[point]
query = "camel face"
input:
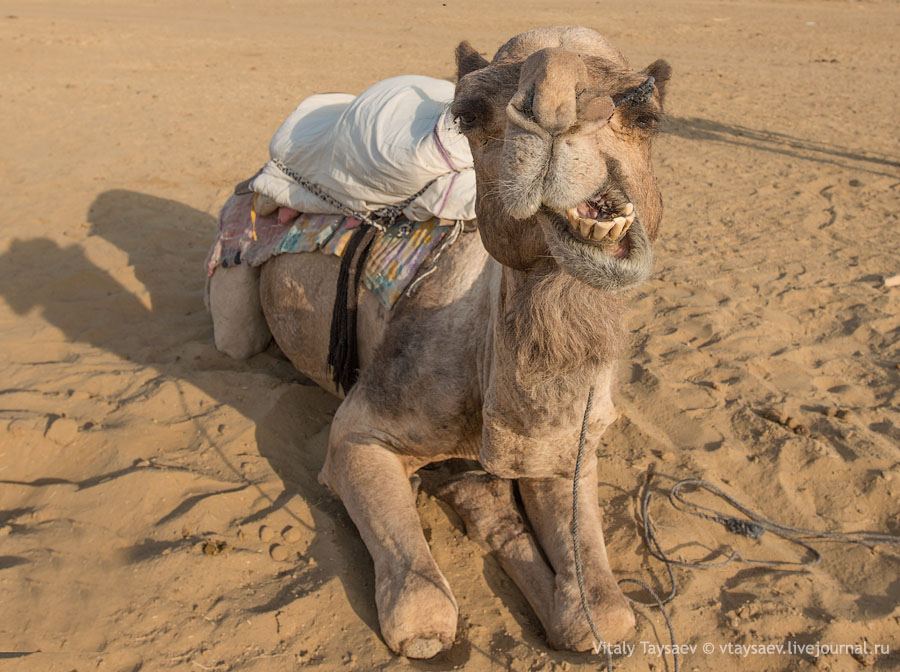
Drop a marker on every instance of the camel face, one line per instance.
(562, 153)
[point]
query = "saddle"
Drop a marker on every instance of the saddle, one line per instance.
(382, 180)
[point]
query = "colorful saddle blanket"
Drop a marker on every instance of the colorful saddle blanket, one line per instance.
(395, 258)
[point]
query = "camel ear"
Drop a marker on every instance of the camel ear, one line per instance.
(661, 71)
(468, 60)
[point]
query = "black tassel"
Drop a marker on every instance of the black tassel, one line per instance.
(343, 355)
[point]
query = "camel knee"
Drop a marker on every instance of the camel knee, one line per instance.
(239, 326)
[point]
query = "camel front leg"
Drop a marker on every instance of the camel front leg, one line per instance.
(488, 508)
(548, 504)
(416, 610)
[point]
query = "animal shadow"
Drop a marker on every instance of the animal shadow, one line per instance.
(166, 243)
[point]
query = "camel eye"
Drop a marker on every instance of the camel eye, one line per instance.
(641, 118)
(645, 121)
(467, 121)
(471, 114)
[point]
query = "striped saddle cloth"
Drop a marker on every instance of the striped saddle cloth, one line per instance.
(245, 237)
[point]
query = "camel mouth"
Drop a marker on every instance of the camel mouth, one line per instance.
(603, 221)
(601, 241)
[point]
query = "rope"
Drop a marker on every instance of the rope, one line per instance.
(579, 572)
(343, 355)
(752, 527)
(389, 213)
(579, 575)
(659, 603)
(639, 94)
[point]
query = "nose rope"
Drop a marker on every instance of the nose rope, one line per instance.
(579, 575)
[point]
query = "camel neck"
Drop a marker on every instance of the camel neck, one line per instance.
(547, 350)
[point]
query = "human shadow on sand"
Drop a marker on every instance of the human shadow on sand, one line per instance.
(695, 128)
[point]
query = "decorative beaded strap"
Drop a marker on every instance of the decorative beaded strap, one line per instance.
(380, 219)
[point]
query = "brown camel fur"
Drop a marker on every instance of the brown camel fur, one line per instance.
(493, 357)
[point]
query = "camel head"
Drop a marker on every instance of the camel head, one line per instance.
(560, 129)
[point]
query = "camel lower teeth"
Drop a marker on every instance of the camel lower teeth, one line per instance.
(617, 228)
(591, 229)
(601, 229)
(585, 228)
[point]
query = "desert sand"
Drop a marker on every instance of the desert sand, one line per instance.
(145, 478)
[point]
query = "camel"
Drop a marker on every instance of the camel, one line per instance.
(493, 357)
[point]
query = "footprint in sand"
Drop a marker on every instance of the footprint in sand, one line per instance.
(278, 551)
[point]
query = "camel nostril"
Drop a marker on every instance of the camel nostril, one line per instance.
(593, 106)
(528, 104)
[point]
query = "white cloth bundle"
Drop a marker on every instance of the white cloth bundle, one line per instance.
(373, 150)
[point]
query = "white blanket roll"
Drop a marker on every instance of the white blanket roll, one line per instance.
(373, 150)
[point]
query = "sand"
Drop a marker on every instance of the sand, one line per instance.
(146, 481)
